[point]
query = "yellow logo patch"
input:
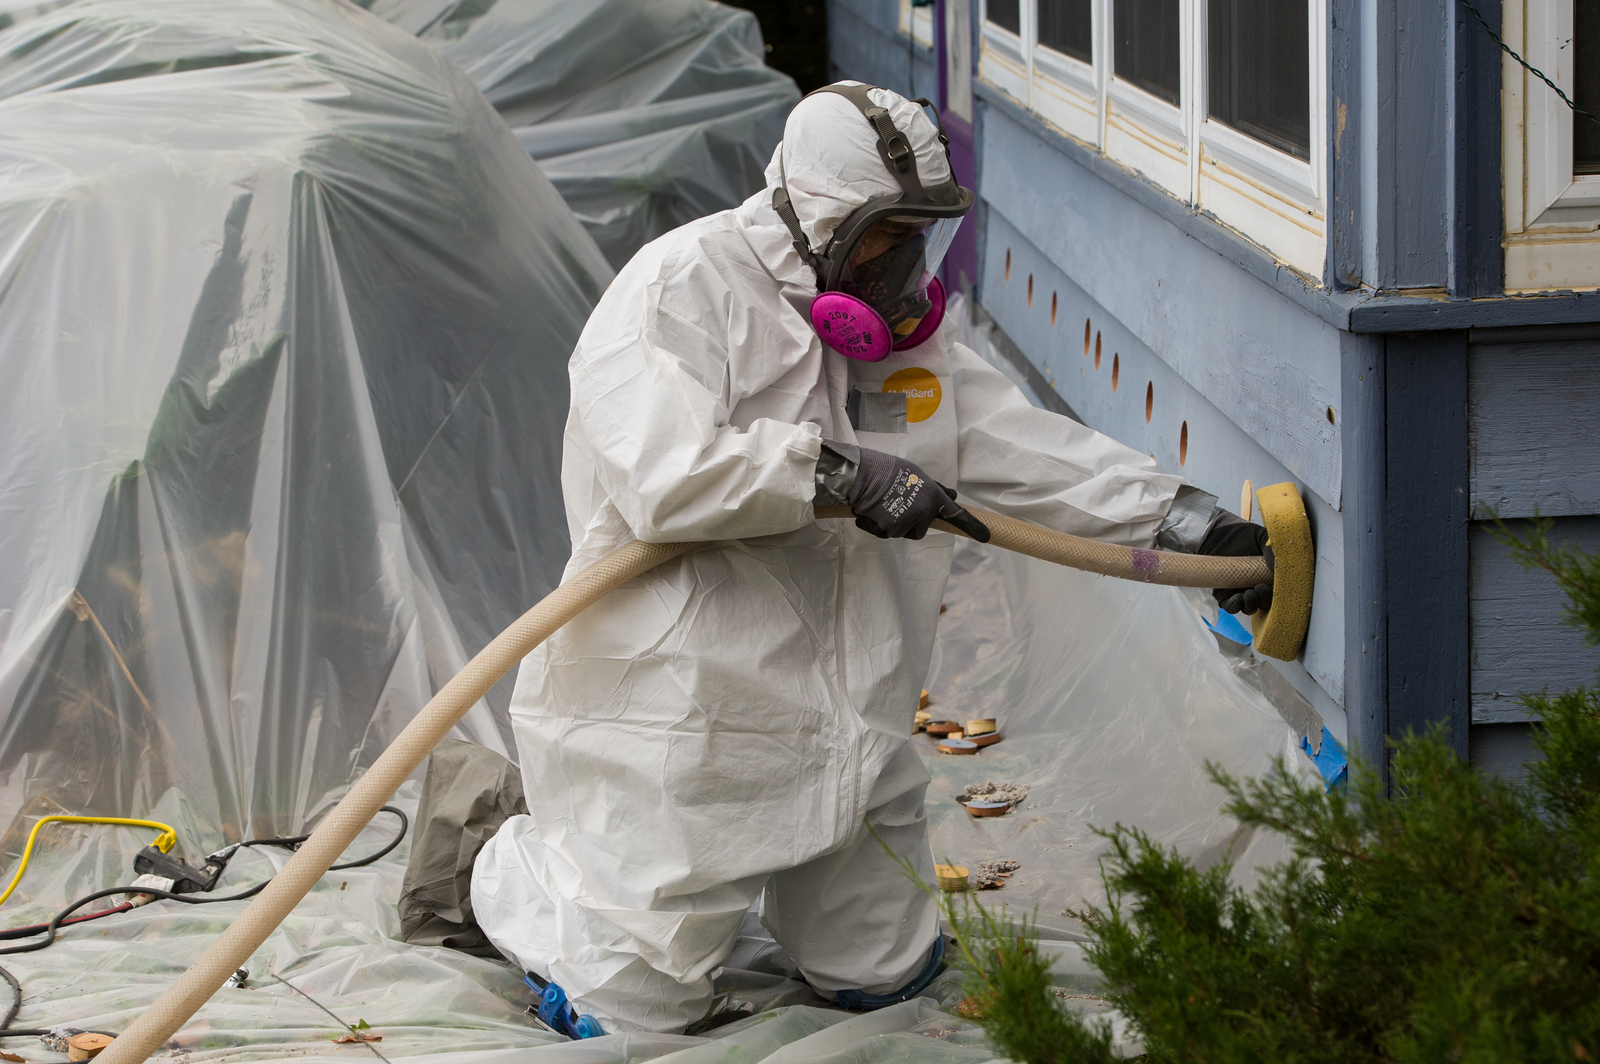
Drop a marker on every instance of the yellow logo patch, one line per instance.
(921, 389)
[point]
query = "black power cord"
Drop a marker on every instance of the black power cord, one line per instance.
(1529, 67)
(16, 1007)
(50, 929)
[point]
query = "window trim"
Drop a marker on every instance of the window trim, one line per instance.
(1551, 214)
(999, 47)
(1267, 195)
(1067, 69)
(1295, 177)
(1066, 93)
(918, 21)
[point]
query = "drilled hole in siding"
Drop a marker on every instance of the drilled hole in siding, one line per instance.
(1030, 289)
(1008, 264)
(1052, 310)
(1116, 370)
(1085, 337)
(1183, 444)
(1330, 415)
(1096, 350)
(1149, 401)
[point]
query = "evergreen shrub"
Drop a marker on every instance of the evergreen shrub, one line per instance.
(1453, 916)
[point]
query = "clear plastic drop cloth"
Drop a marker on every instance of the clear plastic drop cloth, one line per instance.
(285, 309)
(285, 312)
(1110, 698)
(645, 114)
(340, 953)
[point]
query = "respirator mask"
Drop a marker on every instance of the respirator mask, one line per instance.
(877, 289)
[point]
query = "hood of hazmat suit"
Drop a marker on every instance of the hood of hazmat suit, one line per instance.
(719, 730)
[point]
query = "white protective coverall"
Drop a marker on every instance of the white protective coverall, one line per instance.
(722, 726)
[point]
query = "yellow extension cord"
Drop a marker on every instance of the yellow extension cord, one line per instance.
(163, 842)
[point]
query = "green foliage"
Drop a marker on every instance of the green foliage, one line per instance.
(1009, 986)
(1576, 571)
(1455, 918)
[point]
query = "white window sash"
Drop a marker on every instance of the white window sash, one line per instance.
(1551, 214)
(1269, 195)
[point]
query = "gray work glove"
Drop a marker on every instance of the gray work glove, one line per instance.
(1234, 537)
(894, 499)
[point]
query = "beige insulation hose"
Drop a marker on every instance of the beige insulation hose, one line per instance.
(340, 827)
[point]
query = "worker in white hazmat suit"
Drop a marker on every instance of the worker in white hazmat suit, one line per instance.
(723, 729)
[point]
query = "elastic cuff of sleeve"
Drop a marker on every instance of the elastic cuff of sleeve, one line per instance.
(1187, 521)
(836, 473)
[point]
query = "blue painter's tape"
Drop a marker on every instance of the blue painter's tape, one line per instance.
(1229, 627)
(1330, 761)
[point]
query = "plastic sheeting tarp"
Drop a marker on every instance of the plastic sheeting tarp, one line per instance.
(1111, 696)
(284, 315)
(645, 114)
(340, 947)
(284, 319)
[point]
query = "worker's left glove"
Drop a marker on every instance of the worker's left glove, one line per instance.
(892, 498)
(1234, 537)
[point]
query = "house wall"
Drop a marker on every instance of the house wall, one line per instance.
(1220, 455)
(865, 44)
(1402, 396)
(1534, 450)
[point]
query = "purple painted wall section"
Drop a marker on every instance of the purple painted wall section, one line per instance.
(960, 270)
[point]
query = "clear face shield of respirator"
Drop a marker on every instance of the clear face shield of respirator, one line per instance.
(892, 264)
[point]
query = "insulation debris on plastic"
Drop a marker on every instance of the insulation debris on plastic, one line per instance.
(285, 308)
(645, 114)
(1113, 697)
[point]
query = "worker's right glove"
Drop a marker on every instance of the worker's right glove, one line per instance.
(894, 499)
(1232, 536)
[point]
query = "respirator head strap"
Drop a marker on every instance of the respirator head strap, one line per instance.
(894, 147)
(791, 221)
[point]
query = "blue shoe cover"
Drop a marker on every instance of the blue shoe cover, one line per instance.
(861, 1001)
(555, 1012)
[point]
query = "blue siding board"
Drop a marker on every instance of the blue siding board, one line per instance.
(1531, 420)
(1273, 369)
(1503, 749)
(1521, 642)
(1220, 456)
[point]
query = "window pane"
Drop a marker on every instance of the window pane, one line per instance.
(1064, 25)
(1586, 67)
(1006, 14)
(1146, 53)
(1259, 71)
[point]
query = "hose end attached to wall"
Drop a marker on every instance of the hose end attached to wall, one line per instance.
(1280, 630)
